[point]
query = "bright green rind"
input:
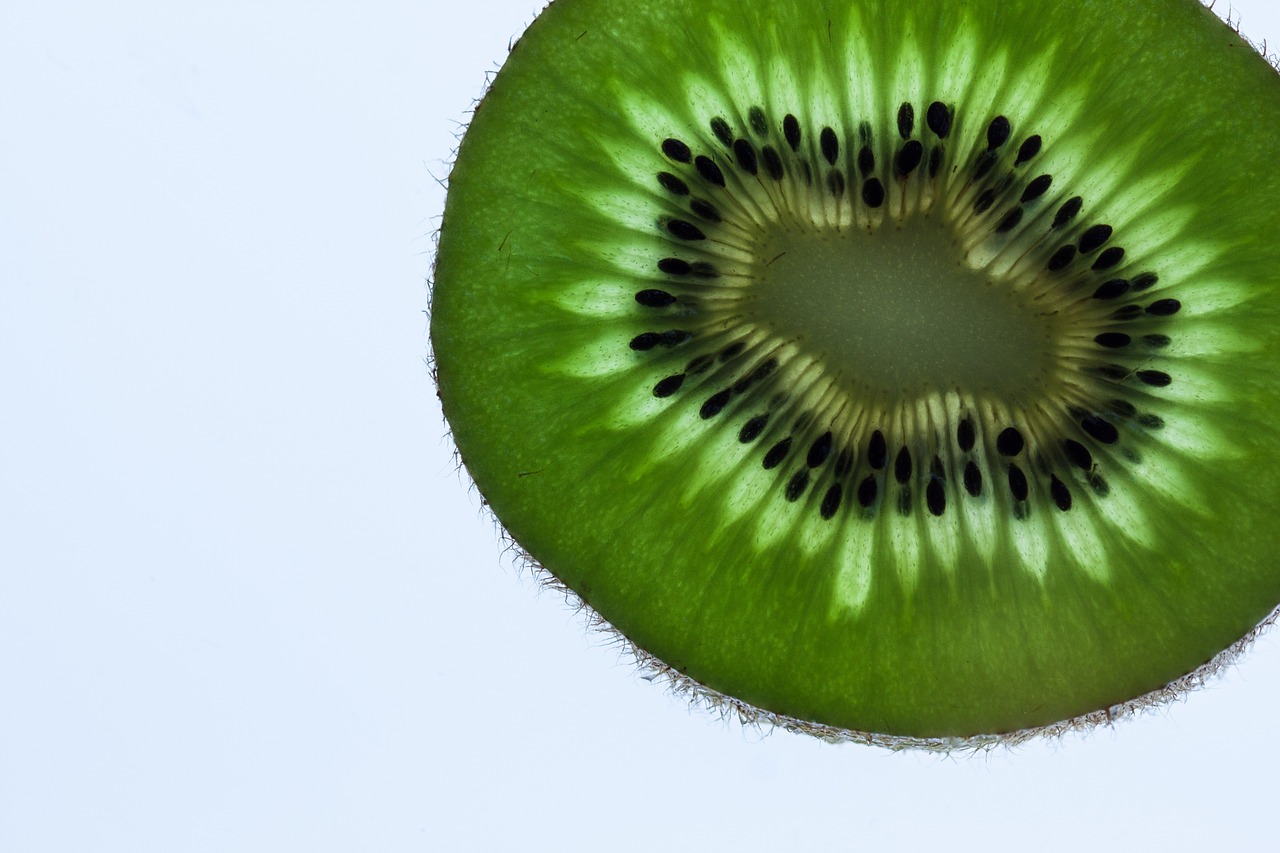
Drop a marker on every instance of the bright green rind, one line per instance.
(965, 648)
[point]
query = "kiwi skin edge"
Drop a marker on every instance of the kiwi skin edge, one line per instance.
(538, 348)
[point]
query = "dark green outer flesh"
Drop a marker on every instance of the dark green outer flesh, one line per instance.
(974, 647)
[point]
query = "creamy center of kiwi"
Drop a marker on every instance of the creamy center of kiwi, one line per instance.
(900, 310)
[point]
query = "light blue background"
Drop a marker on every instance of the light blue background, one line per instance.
(246, 601)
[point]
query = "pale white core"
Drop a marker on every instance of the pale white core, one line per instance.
(900, 310)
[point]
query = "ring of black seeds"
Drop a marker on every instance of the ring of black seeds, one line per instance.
(851, 475)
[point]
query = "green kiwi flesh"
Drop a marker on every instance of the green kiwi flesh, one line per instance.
(901, 367)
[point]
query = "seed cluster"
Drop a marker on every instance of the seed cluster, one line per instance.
(912, 460)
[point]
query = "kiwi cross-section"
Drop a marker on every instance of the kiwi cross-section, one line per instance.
(896, 367)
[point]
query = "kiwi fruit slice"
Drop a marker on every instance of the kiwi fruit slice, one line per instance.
(905, 368)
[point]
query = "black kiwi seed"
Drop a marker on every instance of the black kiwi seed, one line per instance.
(1109, 257)
(765, 369)
(709, 171)
(866, 160)
(1100, 429)
(732, 351)
(1036, 188)
(1062, 258)
(1099, 485)
(1145, 280)
(1112, 340)
(1010, 221)
(751, 429)
(685, 230)
(1113, 289)
(986, 162)
(746, 156)
(668, 386)
(1017, 483)
(1010, 442)
(674, 337)
(773, 458)
(1060, 493)
(873, 192)
(675, 266)
(720, 128)
(935, 497)
(938, 117)
(908, 158)
(677, 150)
(877, 450)
(1030, 148)
(673, 184)
(646, 341)
(1068, 211)
(1155, 378)
(830, 145)
(1078, 454)
(902, 466)
(1164, 307)
(972, 479)
(715, 404)
(906, 120)
(796, 485)
(791, 131)
(867, 490)
(965, 435)
(655, 298)
(819, 450)
(772, 162)
(1093, 238)
(831, 501)
(998, 132)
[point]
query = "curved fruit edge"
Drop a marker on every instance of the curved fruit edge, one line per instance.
(1235, 21)
(748, 716)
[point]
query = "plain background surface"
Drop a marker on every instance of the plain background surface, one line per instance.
(246, 603)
